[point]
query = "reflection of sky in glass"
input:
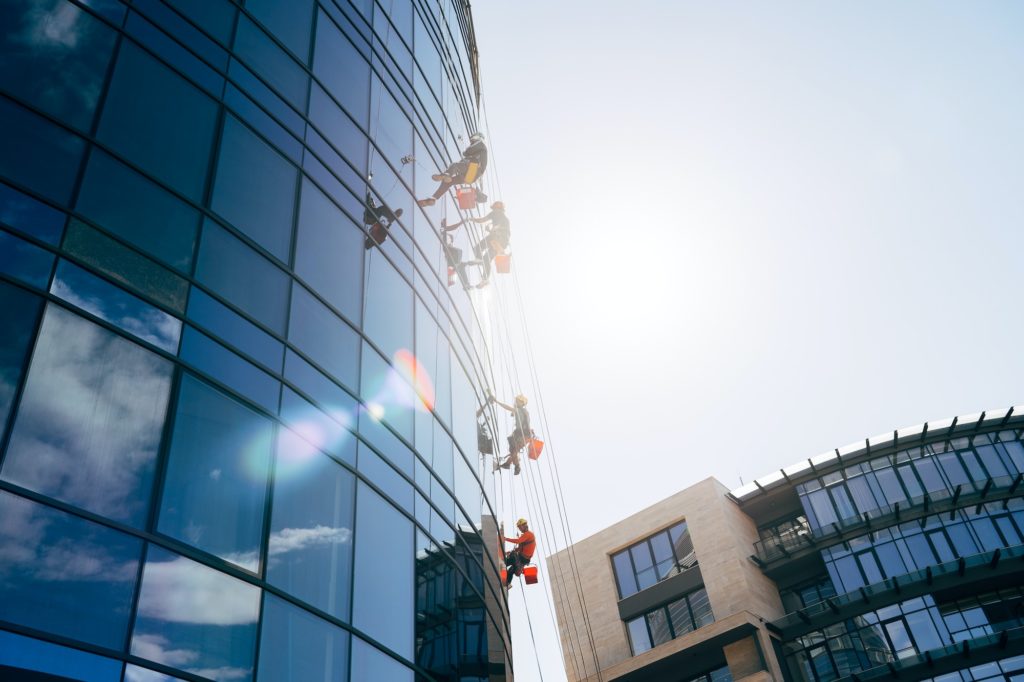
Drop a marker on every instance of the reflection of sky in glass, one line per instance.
(30, 216)
(21, 312)
(133, 673)
(31, 654)
(89, 424)
(298, 646)
(196, 619)
(106, 301)
(25, 261)
(61, 574)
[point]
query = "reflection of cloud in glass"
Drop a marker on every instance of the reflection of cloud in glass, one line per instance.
(134, 673)
(154, 647)
(89, 424)
(183, 591)
(296, 539)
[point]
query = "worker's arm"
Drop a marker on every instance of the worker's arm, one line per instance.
(449, 228)
(501, 404)
(517, 541)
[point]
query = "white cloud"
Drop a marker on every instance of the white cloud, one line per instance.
(154, 647)
(223, 673)
(292, 539)
(183, 591)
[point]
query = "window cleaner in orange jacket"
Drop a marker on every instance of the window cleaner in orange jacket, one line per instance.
(519, 557)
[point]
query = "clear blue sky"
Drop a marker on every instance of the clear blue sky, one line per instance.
(748, 233)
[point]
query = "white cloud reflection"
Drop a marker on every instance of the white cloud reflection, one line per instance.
(295, 539)
(183, 591)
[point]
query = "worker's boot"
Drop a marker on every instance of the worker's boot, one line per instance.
(516, 470)
(429, 201)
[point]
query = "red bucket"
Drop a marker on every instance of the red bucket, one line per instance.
(530, 575)
(534, 448)
(466, 198)
(503, 263)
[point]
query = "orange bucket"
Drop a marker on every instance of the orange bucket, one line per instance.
(503, 263)
(530, 575)
(504, 575)
(534, 448)
(466, 198)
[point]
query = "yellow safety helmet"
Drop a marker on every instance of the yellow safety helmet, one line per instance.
(521, 522)
(521, 399)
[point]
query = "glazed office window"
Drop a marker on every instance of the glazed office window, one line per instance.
(168, 50)
(264, 57)
(338, 129)
(93, 445)
(25, 261)
(653, 559)
(254, 188)
(235, 330)
(64, 575)
(342, 69)
(297, 646)
(37, 153)
(370, 663)
(717, 675)
(55, 58)
(219, 362)
(316, 331)
(21, 315)
(665, 623)
(195, 618)
(30, 216)
(216, 17)
(172, 141)
(291, 23)
(138, 210)
(216, 482)
(20, 654)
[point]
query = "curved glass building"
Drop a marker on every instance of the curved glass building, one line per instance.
(237, 439)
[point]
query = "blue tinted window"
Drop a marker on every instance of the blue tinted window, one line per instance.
(92, 441)
(328, 433)
(126, 266)
(389, 305)
(38, 154)
(370, 663)
(104, 300)
(134, 673)
(260, 53)
(321, 335)
(65, 575)
(172, 140)
(329, 252)
(317, 386)
(255, 188)
(638, 635)
(338, 129)
(25, 653)
(298, 647)
(310, 550)
(21, 313)
(27, 215)
(55, 57)
(341, 69)
(383, 603)
(216, 17)
(195, 618)
(383, 475)
(290, 22)
(235, 330)
(247, 110)
(387, 395)
(390, 129)
(172, 52)
(243, 277)
(217, 471)
(157, 12)
(231, 369)
(25, 261)
(248, 82)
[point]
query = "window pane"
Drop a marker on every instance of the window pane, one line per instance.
(638, 636)
(138, 210)
(238, 374)
(25, 653)
(389, 306)
(370, 663)
(133, 673)
(311, 531)
(339, 129)
(37, 153)
(216, 17)
(296, 646)
(235, 330)
(84, 290)
(890, 486)
(260, 54)
(992, 462)
(172, 140)
(624, 574)
(89, 425)
(65, 575)
(216, 475)
(21, 314)
(341, 69)
(291, 22)
(954, 470)
(320, 334)
(657, 621)
(243, 277)
(821, 506)
(30, 216)
(194, 618)
(701, 607)
(383, 602)
(255, 188)
(55, 57)
(679, 612)
(329, 252)
(870, 566)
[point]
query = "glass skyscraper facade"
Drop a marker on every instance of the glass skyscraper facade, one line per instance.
(236, 443)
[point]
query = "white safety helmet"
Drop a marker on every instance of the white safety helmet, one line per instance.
(476, 137)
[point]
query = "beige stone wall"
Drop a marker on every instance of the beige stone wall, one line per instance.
(723, 539)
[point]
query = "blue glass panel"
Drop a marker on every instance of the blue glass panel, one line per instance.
(326, 432)
(232, 370)
(136, 209)
(38, 154)
(175, 54)
(251, 113)
(297, 646)
(32, 217)
(638, 635)
(90, 420)
(329, 252)
(255, 188)
(243, 277)
(183, 30)
(328, 395)
(126, 266)
(260, 53)
(216, 17)
(196, 619)
(310, 551)
(248, 82)
(338, 128)
(25, 653)
(370, 663)
(992, 462)
(391, 130)
(110, 9)
(25, 261)
(21, 313)
(55, 57)
(134, 673)
(106, 301)
(341, 69)
(290, 22)
(217, 475)
(388, 397)
(321, 335)
(65, 575)
(382, 475)
(235, 330)
(383, 599)
(624, 574)
(172, 141)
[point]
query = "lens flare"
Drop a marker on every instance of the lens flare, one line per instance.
(410, 369)
(375, 410)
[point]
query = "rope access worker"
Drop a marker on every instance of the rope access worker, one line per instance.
(494, 243)
(379, 220)
(519, 557)
(519, 436)
(465, 171)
